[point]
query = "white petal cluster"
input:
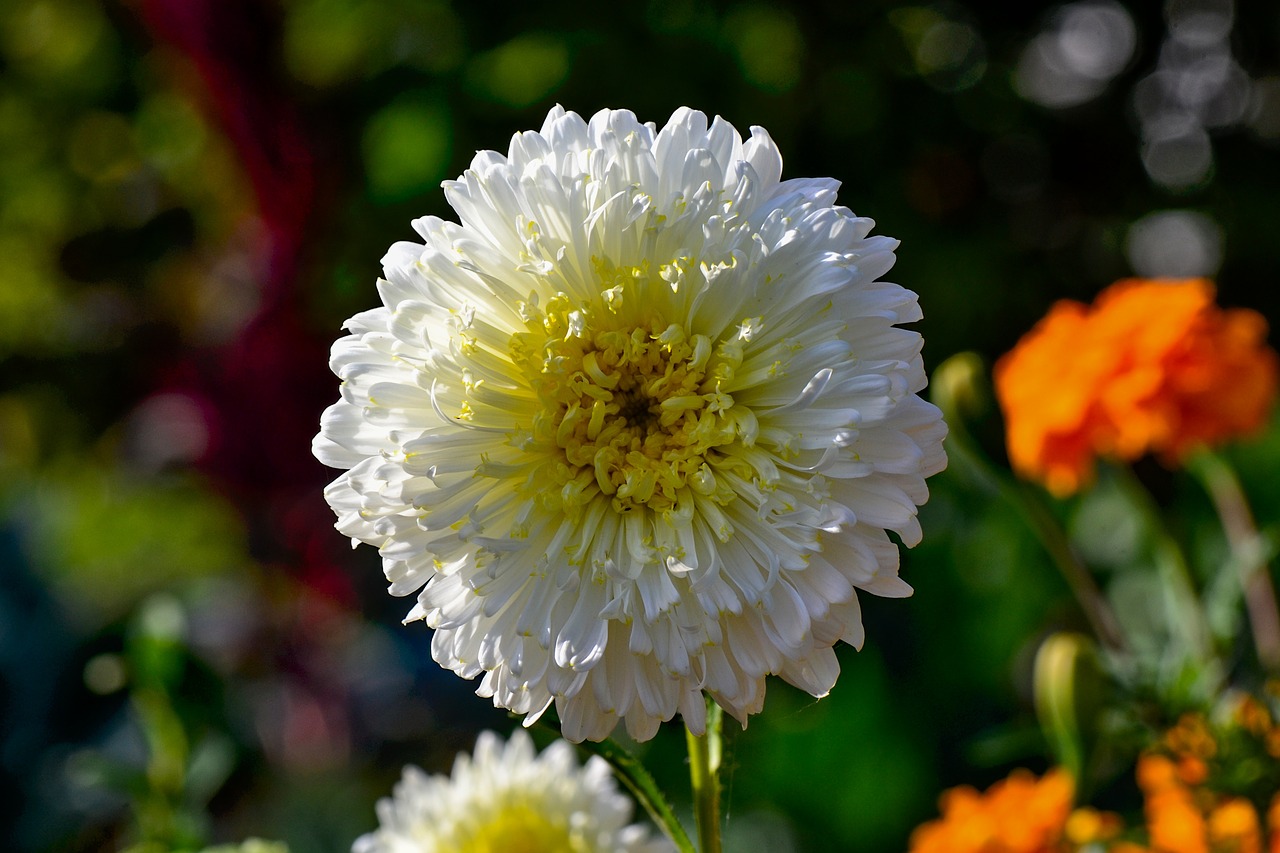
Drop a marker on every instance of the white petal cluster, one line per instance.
(509, 799)
(636, 427)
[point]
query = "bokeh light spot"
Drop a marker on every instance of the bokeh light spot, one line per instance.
(164, 429)
(521, 72)
(92, 530)
(1199, 23)
(105, 673)
(325, 40)
(769, 46)
(40, 199)
(947, 51)
(19, 441)
(426, 35)
(1177, 154)
(1070, 62)
(101, 146)
(50, 37)
(1174, 244)
(407, 145)
(31, 297)
(1264, 107)
(168, 131)
(23, 139)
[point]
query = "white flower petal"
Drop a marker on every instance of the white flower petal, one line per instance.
(506, 796)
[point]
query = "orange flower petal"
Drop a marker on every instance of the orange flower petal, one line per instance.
(1150, 367)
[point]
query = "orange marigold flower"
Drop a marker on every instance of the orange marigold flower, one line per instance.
(1174, 820)
(1156, 773)
(1192, 770)
(1150, 367)
(1190, 818)
(1234, 826)
(1020, 814)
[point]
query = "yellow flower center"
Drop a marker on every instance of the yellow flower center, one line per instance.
(519, 828)
(630, 404)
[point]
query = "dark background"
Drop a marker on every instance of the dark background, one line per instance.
(194, 194)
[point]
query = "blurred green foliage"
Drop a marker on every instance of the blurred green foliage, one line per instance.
(407, 147)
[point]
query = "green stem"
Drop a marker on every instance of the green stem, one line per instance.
(159, 808)
(1102, 619)
(704, 772)
(1031, 507)
(1223, 487)
(637, 779)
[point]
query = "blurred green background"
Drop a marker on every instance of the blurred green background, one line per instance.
(194, 194)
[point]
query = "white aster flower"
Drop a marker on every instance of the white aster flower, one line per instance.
(508, 799)
(635, 428)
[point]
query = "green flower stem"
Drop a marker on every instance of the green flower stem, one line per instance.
(1102, 619)
(704, 772)
(644, 789)
(158, 808)
(1186, 614)
(1036, 515)
(1223, 486)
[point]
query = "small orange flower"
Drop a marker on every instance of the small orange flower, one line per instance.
(1175, 822)
(1191, 737)
(1087, 825)
(1020, 814)
(1254, 717)
(1191, 744)
(1150, 367)
(1272, 741)
(1187, 818)
(1234, 826)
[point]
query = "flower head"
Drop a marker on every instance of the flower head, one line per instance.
(509, 799)
(637, 426)
(1150, 367)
